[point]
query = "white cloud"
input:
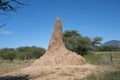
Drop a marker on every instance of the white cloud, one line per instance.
(5, 32)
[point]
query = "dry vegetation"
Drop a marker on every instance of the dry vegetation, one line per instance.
(7, 66)
(104, 72)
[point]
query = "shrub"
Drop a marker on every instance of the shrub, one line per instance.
(30, 52)
(8, 53)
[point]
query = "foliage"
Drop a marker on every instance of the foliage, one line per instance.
(10, 5)
(22, 53)
(8, 54)
(30, 52)
(74, 41)
(95, 42)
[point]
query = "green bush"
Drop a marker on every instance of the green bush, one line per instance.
(30, 52)
(21, 53)
(75, 42)
(8, 53)
(24, 55)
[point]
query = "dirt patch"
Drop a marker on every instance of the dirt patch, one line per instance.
(59, 72)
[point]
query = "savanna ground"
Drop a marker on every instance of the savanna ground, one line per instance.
(108, 63)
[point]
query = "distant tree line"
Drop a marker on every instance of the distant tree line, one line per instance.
(21, 53)
(108, 48)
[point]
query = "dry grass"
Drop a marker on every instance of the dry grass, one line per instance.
(10, 66)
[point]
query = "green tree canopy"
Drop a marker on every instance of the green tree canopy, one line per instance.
(95, 42)
(75, 42)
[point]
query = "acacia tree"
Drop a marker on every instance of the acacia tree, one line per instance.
(75, 42)
(10, 5)
(95, 42)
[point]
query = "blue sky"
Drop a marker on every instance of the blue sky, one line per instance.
(33, 25)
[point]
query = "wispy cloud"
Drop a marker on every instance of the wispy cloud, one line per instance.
(85, 27)
(5, 32)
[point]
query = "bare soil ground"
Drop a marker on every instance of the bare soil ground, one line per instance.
(66, 72)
